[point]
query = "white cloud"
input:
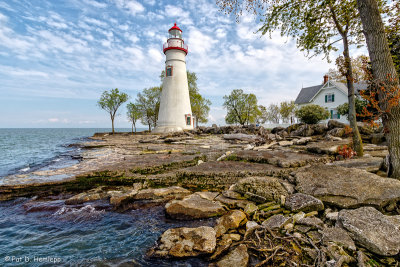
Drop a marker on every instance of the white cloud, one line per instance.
(199, 42)
(132, 6)
(95, 22)
(180, 16)
(53, 120)
(95, 3)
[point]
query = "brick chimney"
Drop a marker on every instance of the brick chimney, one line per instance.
(326, 78)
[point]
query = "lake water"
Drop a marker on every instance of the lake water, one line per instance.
(34, 233)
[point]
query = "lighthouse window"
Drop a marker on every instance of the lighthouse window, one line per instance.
(175, 34)
(169, 71)
(188, 120)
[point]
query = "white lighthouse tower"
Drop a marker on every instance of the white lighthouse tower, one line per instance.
(175, 112)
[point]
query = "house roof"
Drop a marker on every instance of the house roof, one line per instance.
(308, 93)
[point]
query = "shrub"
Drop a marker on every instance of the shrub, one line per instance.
(343, 109)
(346, 152)
(312, 114)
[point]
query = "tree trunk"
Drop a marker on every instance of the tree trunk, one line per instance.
(384, 72)
(112, 124)
(357, 141)
(197, 122)
(132, 127)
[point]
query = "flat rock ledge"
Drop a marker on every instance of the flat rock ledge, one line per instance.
(371, 229)
(186, 242)
(347, 188)
(194, 207)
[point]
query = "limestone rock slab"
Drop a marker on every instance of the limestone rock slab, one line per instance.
(345, 187)
(303, 202)
(185, 242)
(194, 207)
(373, 230)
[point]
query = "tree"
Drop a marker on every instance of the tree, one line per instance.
(111, 101)
(200, 105)
(133, 114)
(262, 116)
(315, 24)
(273, 113)
(358, 69)
(343, 109)
(286, 110)
(393, 35)
(241, 108)
(386, 79)
(312, 114)
(148, 103)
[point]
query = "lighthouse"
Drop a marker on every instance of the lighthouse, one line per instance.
(175, 113)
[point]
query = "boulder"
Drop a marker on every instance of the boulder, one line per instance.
(345, 187)
(339, 236)
(335, 124)
(277, 130)
(194, 207)
(260, 189)
(302, 202)
(173, 192)
(313, 222)
(276, 221)
(91, 195)
(319, 128)
(233, 203)
(186, 242)
(303, 130)
(370, 164)
(302, 141)
(117, 197)
(336, 132)
(238, 257)
(373, 230)
(229, 221)
(243, 137)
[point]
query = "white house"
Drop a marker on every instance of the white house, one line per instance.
(330, 95)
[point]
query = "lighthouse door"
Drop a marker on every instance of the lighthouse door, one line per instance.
(188, 119)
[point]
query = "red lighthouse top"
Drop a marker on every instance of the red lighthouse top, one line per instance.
(175, 28)
(175, 40)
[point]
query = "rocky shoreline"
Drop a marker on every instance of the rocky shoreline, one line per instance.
(281, 196)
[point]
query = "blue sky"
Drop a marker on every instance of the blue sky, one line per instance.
(57, 57)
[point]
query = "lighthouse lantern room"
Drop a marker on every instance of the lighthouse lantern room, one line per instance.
(175, 113)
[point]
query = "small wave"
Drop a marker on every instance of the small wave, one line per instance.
(25, 169)
(84, 213)
(56, 160)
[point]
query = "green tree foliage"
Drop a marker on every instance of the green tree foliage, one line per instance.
(133, 113)
(200, 105)
(357, 63)
(241, 108)
(148, 104)
(343, 109)
(262, 117)
(286, 110)
(273, 113)
(312, 114)
(111, 101)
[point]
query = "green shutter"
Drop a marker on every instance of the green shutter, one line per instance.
(338, 116)
(333, 98)
(331, 114)
(326, 98)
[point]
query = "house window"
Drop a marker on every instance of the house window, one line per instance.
(329, 98)
(334, 114)
(168, 71)
(188, 119)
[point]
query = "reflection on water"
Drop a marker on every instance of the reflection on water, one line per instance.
(85, 235)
